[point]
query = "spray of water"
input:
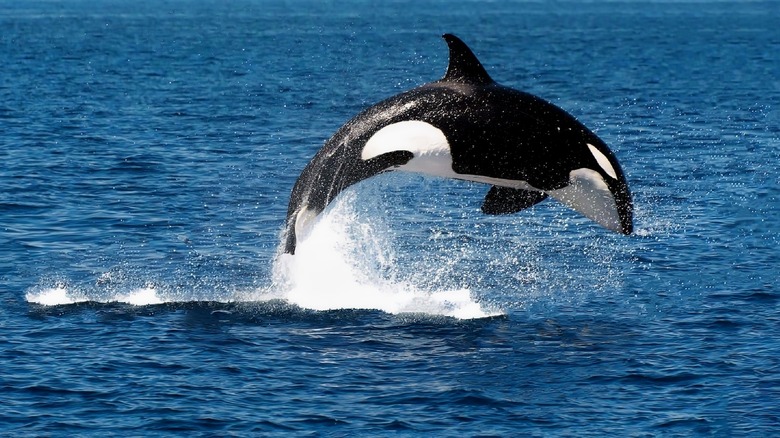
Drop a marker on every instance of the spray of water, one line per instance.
(348, 261)
(355, 257)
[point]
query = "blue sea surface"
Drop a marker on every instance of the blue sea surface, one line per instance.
(147, 153)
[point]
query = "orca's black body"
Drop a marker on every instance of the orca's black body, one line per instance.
(467, 126)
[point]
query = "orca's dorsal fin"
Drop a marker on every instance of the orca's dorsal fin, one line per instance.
(464, 67)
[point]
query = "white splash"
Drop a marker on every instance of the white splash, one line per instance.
(61, 295)
(146, 296)
(347, 263)
(54, 296)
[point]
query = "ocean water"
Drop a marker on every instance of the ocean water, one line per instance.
(148, 149)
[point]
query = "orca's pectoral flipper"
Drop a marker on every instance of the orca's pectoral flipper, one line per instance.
(506, 200)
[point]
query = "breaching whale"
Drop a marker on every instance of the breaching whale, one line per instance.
(466, 126)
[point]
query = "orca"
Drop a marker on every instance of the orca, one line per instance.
(467, 126)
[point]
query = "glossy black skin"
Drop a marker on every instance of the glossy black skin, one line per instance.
(493, 131)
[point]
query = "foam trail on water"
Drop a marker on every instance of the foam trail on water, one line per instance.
(60, 295)
(348, 263)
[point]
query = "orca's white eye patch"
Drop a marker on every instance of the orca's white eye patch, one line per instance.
(417, 137)
(603, 161)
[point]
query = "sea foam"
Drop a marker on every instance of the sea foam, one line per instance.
(346, 261)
